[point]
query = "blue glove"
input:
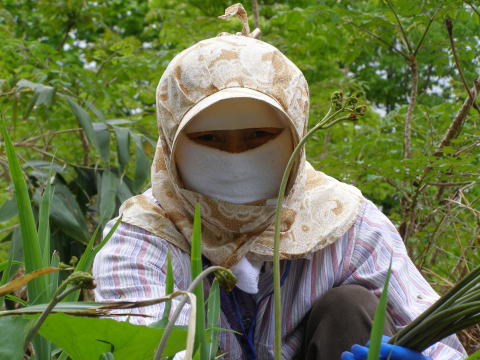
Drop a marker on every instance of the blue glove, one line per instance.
(395, 352)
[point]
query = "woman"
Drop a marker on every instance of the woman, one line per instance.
(230, 110)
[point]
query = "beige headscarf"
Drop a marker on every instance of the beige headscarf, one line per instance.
(317, 210)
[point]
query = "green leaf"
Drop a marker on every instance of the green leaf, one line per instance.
(4, 264)
(85, 338)
(53, 278)
(378, 325)
(108, 194)
(196, 260)
(16, 299)
(213, 320)
(44, 224)
(8, 209)
(66, 213)
(103, 140)
(86, 260)
(123, 191)
(123, 145)
(11, 346)
(169, 285)
(14, 253)
(96, 111)
(142, 165)
(85, 121)
(43, 94)
(474, 356)
(37, 289)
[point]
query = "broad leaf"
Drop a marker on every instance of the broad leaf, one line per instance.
(11, 346)
(85, 338)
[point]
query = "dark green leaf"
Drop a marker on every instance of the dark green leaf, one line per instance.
(378, 325)
(8, 209)
(108, 194)
(85, 121)
(123, 142)
(196, 260)
(103, 140)
(66, 213)
(142, 166)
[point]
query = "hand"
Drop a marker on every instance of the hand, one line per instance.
(387, 351)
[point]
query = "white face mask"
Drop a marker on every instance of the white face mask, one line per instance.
(237, 178)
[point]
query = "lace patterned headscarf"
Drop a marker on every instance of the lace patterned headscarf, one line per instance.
(317, 210)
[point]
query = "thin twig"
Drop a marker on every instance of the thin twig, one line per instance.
(473, 8)
(449, 25)
(449, 183)
(466, 148)
(426, 30)
(33, 331)
(26, 142)
(390, 46)
(404, 35)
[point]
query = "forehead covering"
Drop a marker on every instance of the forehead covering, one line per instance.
(317, 210)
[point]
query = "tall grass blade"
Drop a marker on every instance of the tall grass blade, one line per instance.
(213, 321)
(169, 285)
(37, 289)
(379, 320)
(86, 260)
(8, 266)
(44, 224)
(196, 258)
(53, 278)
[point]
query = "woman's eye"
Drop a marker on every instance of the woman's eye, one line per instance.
(259, 134)
(208, 137)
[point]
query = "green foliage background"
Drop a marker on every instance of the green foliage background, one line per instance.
(77, 90)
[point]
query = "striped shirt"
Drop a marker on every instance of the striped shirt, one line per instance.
(132, 266)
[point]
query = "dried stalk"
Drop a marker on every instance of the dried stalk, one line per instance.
(256, 15)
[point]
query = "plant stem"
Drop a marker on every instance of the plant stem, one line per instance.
(56, 299)
(324, 123)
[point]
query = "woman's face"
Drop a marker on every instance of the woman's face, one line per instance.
(235, 125)
(236, 150)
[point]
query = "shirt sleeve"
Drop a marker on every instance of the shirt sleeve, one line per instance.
(409, 294)
(132, 266)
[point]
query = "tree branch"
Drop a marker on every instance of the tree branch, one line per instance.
(473, 8)
(449, 25)
(407, 134)
(457, 123)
